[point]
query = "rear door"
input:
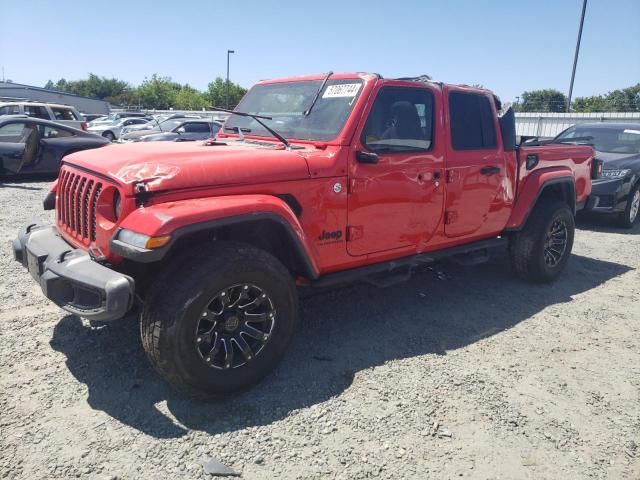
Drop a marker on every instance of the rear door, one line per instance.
(397, 201)
(478, 195)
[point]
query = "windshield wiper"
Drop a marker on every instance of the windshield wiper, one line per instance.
(257, 119)
(315, 99)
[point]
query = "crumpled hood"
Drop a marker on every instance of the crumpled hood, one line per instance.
(620, 160)
(172, 166)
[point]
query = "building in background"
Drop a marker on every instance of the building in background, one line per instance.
(16, 91)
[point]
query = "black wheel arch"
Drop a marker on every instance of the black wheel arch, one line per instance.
(267, 231)
(563, 188)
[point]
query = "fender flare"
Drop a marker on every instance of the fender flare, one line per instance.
(185, 217)
(533, 189)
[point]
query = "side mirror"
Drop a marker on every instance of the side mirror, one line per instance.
(367, 157)
(181, 130)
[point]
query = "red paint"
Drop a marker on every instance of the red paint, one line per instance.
(391, 209)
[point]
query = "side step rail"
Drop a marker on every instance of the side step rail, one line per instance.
(366, 273)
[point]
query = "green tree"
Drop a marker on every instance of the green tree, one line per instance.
(216, 93)
(622, 100)
(189, 98)
(596, 103)
(548, 100)
(157, 92)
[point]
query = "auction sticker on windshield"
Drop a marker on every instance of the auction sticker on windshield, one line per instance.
(343, 90)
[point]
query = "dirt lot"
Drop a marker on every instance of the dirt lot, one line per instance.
(469, 374)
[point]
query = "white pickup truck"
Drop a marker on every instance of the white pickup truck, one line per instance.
(55, 112)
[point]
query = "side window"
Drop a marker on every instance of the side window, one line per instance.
(196, 127)
(14, 133)
(63, 113)
(36, 111)
(401, 120)
(10, 110)
(471, 120)
(50, 132)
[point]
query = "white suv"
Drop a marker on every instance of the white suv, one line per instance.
(65, 114)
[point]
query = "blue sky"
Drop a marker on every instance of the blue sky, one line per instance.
(508, 46)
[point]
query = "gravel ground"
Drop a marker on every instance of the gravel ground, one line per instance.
(464, 374)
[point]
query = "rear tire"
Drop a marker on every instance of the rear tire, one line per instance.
(540, 251)
(201, 303)
(632, 210)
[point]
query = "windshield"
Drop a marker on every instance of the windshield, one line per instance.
(286, 103)
(608, 140)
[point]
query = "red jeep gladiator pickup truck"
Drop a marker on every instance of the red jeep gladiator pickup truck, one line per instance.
(314, 181)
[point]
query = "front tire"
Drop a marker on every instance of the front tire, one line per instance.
(109, 136)
(218, 322)
(540, 251)
(632, 210)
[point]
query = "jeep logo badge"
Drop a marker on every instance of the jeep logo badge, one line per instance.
(330, 236)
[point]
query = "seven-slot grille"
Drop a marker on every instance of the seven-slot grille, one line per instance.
(77, 199)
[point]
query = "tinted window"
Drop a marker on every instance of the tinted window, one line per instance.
(610, 140)
(63, 113)
(14, 133)
(196, 127)
(51, 132)
(36, 111)
(471, 120)
(400, 120)
(10, 110)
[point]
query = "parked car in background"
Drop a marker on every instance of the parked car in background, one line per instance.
(114, 117)
(64, 114)
(153, 127)
(154, 123)
(33, 145)
(617, 192)
(111, 131)
(90, 117)
(188, 130)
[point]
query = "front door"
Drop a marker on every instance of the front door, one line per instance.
(18, 144)
(396, 193)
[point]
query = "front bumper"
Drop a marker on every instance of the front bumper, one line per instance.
(610, 196)
(70, 277)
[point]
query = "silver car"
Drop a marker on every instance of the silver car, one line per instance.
(55, 112)
(112, 131)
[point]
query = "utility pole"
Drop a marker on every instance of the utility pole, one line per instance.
(226, 92)
(575, 58)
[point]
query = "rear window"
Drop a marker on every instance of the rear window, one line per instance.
(63, 113)
(472, 123)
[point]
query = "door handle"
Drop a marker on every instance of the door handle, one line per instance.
(490, 170)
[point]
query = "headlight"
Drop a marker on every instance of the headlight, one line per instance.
(615, 173)
(141, 240)
(117, 204)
